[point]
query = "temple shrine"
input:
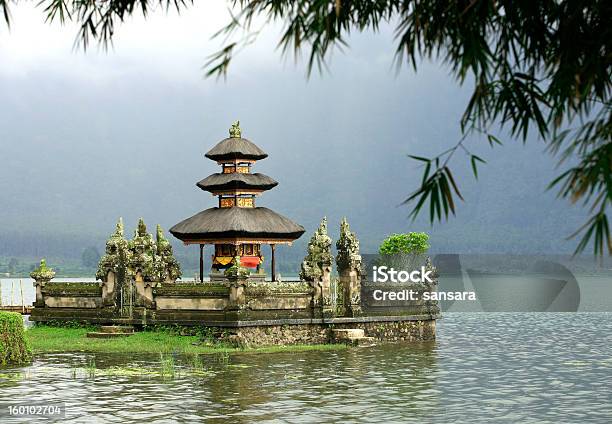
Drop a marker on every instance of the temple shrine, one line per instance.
(139, 280)
(237, 227)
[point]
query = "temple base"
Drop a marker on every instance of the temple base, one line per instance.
(219, 277)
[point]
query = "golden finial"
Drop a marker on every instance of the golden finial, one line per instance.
(235, 131)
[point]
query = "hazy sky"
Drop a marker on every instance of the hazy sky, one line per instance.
(87, 137)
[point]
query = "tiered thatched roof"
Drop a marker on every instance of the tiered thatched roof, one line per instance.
(236, 148)
(218, 181)
(244, 223)
(237, 223)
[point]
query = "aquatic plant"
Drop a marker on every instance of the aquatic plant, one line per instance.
(14, 347)
(167, 367)
(91, 367)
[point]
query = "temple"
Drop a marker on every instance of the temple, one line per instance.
(139, 280)
(236, 226)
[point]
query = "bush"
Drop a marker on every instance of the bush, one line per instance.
(416, 243)
(14, 347)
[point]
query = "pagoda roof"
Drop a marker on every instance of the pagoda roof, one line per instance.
(235, 180)
(236, 148)
(245, 223)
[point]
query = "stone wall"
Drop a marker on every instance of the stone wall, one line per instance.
(251, 313)
(393, 329)
(71, 295)
(270, 335)
(398, 331)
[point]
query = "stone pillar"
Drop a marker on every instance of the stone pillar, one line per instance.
(237, 298)
(321, 303)
(327, 308)
(144, 291)
(316, 269)
(201, 263)
(350, 281)
(273, 263)
(41, 275)
(349, 269)
(109, 285)
(40, 299)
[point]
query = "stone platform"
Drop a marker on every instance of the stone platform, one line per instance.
(253, 313)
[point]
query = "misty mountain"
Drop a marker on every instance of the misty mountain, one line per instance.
(90, 139)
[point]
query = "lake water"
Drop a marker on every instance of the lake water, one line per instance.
(484, 367)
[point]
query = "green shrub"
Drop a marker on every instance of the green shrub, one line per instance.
(14, 347)
(416, 243)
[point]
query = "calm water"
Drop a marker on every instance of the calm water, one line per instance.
(484, 367)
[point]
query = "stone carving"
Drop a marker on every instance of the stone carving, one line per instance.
(348, 248)
(140, 258)
(235, 131)
(142, 254)
(167, 267)
(43, 273)
(349, 269)
(237, 270)
(319, 254)
(116, 254)
(316, 269)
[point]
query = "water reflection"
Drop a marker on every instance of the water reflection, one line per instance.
(483, 368)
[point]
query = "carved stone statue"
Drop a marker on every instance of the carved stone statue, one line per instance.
(348, 249)
(167, 267)
(43, 272)
(142, 249)
(235, 131)
(349, 265)
(316, 269)
(116, 254)
(319, 254)
(41, 275)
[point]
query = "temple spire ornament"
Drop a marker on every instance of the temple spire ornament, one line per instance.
(167, 267)
(350, 269)
(235, 131)
(348, 256)
(43, 272)
(116, 254)
(319, 254)
(142, 250)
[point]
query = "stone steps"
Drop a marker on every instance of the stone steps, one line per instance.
(352, 336)
(111, 331)
(117, 329)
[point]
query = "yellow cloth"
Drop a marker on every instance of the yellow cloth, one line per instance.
(223, 260)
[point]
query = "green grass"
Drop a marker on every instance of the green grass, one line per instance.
(47, 339)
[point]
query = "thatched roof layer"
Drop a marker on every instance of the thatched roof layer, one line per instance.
(218, 181)
(236, 148)
(222, 223)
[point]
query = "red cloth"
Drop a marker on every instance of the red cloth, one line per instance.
(249, 261)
